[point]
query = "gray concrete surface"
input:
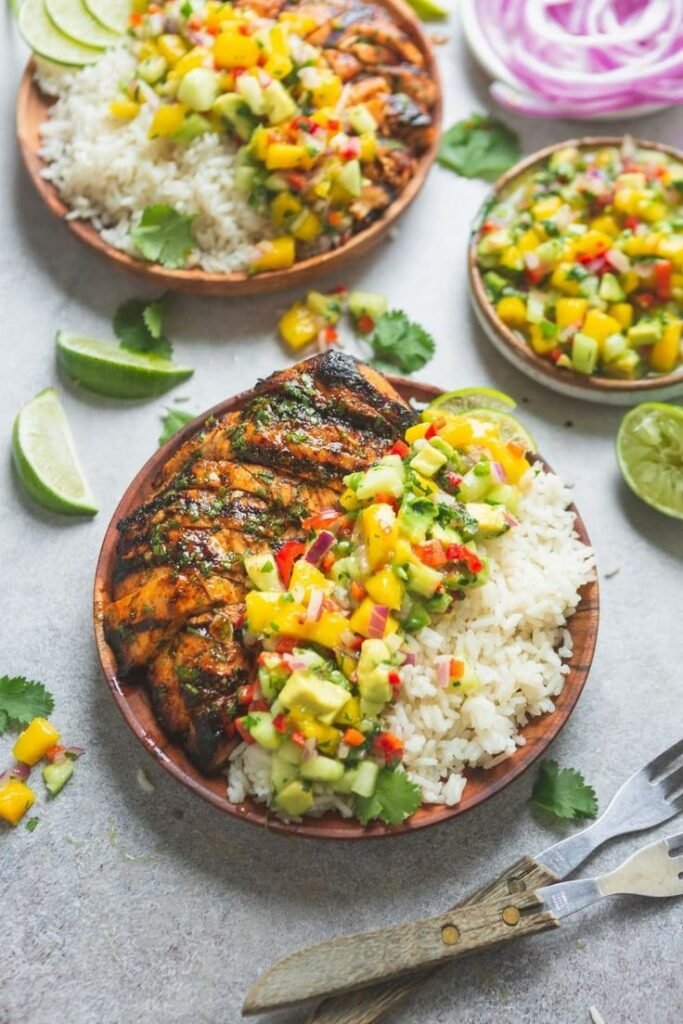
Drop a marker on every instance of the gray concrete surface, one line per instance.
(124, 907)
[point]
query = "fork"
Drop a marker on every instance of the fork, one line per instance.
(649, 797)
(357, 960)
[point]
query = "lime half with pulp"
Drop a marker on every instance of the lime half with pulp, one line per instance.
(45, 39)
(650, 455)
(465, 399)
(45, 457)
(118, 372)
(428, 10)
(510, 427)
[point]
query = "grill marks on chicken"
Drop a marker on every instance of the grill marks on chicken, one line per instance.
(241, 485)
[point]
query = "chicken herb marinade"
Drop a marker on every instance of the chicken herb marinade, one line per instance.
(330, 103)
(584, 259)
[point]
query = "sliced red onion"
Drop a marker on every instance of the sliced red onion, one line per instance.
(619, 260)
(294, 662)
(320, 546)
(74, 751)
(510, 520)
(443, 672)
(308, 749)
(410, 658)
(498, 472)
(378, 621)
(20, 771)
(315, 605)
(347, 637)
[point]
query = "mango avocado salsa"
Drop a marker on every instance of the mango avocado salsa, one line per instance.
(583, 258)
(331, 613)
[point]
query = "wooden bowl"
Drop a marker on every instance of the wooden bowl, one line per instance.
(134, 704)
(33, 108)
(517, 351)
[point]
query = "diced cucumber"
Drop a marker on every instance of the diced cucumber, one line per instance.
(350, 178)
(585, 352)
(318, 696)
(628, 366)
(57, 774)
(590, 286)
(192, 127)
(535, 307)
(152, 69)
(294, 799)
(610, 290)
(263, 731)
(281, 772)
(199, 89)
(422, 579)
(276, 183)
(327, 306)
(347, 780)
(428, 461)
(495, 283)
(438, 604)
(550, 251)
(322, 769)
(504, 494)
(415, 517)
(494, 243)
(345, 569)
(236, 111)
(442, 446)
(418, 617)
(366, 778)
(491, 519)
(279, 104)
(645, 332)
(476, 483)
(245, 178)
(251, 92)
(262, 571)
(367, 304)
(361, 120)
(387, 477)
(290, 752)
(613, 347)
(370, 709)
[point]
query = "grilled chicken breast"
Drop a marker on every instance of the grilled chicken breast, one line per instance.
(241, 485)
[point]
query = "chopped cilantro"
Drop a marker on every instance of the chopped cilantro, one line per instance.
(479, 147)
(395, 798)
(397, 342)
(186, 9)
(164, 236)
(139, 326)
(31, 824)
(173, 421)
(22, 700)
(563, 792)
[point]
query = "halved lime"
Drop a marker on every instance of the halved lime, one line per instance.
(510, 427)
(109, 370)
(473, 398)
(428, 10)
(650, 455)
(46, 460)
(72, 18)
(47, 41)
(113, 14)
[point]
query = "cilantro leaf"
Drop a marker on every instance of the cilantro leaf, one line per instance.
(22, 700)
(139, 326)
(164, 236)
(173, 421)
(479, 147)
(563, 792)
(397, 342)
(395, 798)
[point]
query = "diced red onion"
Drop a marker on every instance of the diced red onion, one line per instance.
(531, 260)
(498, 472)
(320, 546)
(510, 520)
(294, 662)
(378, 621)
(410, 658)
(347, 637)
(308, 749)
(151, 98)
(20, 771)
(619, 260)
(643, 269)
(581, 58)
(315, 605)
(443, 672)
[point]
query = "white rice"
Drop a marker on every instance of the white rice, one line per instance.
(107, 170)
(511, 632)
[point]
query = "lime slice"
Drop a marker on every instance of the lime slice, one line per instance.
(113, 14)
(510, 427)
(46, 459)
(473, 398)
(72, 18)
(428, 10)
(109, 370)
(650, 455)
(47, 41)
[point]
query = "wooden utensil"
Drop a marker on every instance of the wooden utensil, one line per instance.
(134, 704)
(33, 108)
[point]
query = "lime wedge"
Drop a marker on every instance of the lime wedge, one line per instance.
(510, 427)
(47, 41)
(72, 18)
(109, 370)
(46, 459)
(428, 10)
(473, 398)
(113, 14)
(650, 455)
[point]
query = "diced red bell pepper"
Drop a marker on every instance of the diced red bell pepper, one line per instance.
(389, 746)
(327, 562)
(631, 222)
(431, 553)
(280, 722)
(452, 480)
(329, 335)
(298, 738)
(365, 324)
(535, 275)
(243, 731)
(456, 668)
(286, 557)
(322, 520)
(400, 448)
(387, 499)
(258, 705)
(434, 428)
(54, 752)
(285, 644)
(394, 678)
(245, 694)
(645, 300)
(663, 279)
(357, 590)
(297, 182)
(339, 289)
(488, 226)
(460, 553)
(353, 738)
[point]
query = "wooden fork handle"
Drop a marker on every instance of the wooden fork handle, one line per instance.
(355, 961)
(369, 1004)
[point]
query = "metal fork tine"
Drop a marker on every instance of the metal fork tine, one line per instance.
(675, 843)
(663, 761)
(672, 783)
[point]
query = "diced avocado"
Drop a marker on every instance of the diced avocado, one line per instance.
(294, 799)
(428, 461)
(627, 367)
(322, 769)
(374, 686)
(192, 127)
(327, 306)
(317, 696)
(366, 778)
(445, 534)
(152, 69)
(550, 251)
(236, 111)
(367, 304)
(199, 89)
(610, 290)
(613, 347)
(263, 731)
(245, 179)
(370, 709)
(491, 519)
(422, 579)
(347, 780)
(589, 286)
(262, 571)
(345, 569)
(276, 183)
(645, 332)
(57, 774)
(361, 120)
(350, 178)
(279, 104)
(387, 477)
(250, 90)
(415, 517)
(290, 752)
(585, 352)
(281, 772)
(504, 494)
(477, 482)
(443, 446)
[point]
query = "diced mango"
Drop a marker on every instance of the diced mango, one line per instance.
(349, 500)
(284, 156)
(198, 57)
(301, 24)
(457, 432)
(277, 41)
(512, 310)
(305, 578)
(234, 50)
(15, 799)
(529, 241)
(307, 227)
(664, 355)
(386, 588)
(545, 208)
(570, 311)
(327, 93)
(512, 259)
(278, 66)
(540, 343)
(629, 281)
(671, 248)
(415, 433)
(606, 224)
(124, 110)
(368, 147)
(514, 464)
(381, 533)
(269, 612)
(260, 142)
(172, 48)
(167, 120)
(623, 312)
(283, 209)
(329, 630)
(599, 325)
(275, 254)
(298, 326)
(34, 741)
(652, 210)
(563, 281)
(592, 243)
(626, 200)
(360, 620)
